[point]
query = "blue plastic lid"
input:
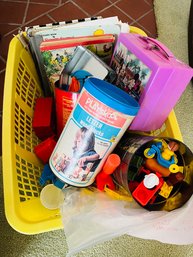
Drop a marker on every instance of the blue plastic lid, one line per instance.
(112, 96)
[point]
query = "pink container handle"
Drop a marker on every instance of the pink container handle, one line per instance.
(153, 44)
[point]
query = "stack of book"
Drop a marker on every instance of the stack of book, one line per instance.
(53, 45)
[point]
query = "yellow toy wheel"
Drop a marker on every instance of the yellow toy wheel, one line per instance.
(174, 168)
(147, 155)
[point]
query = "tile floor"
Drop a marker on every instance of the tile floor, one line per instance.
(17, 14)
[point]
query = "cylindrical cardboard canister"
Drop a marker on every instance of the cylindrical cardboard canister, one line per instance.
(101, 116)
(131, 149)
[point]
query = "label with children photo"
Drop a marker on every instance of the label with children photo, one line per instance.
(90, 133)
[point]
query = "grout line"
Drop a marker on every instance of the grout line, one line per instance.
(24, 2)
(45, 13)
(50, 17)
(10, 23)
(138, 22)
(133, 18)
(124, 13)
(12, 31)
(147, 2)
(142, 16)
(107, 7)
(88, 14)
(2, 71)
(144, 28)
(56, 5)
(2, 59)
(114, 2)
(25, 13)
(18, 1)
(25, 24)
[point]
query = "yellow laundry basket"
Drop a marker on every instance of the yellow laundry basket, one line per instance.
(21, 167)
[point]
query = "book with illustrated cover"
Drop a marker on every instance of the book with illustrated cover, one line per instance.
(57, 53)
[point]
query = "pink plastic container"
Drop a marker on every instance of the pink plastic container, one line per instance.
(148, 71)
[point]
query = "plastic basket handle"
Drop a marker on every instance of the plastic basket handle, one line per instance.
(153, 44)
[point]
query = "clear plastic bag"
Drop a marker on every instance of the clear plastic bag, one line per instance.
(91, 217)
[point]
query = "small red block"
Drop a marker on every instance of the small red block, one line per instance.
(45, 149)
(43, 119)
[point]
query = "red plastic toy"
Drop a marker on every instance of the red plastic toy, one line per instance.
(103, 178)
(45, 149)
(43, 120)
(146, 190)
